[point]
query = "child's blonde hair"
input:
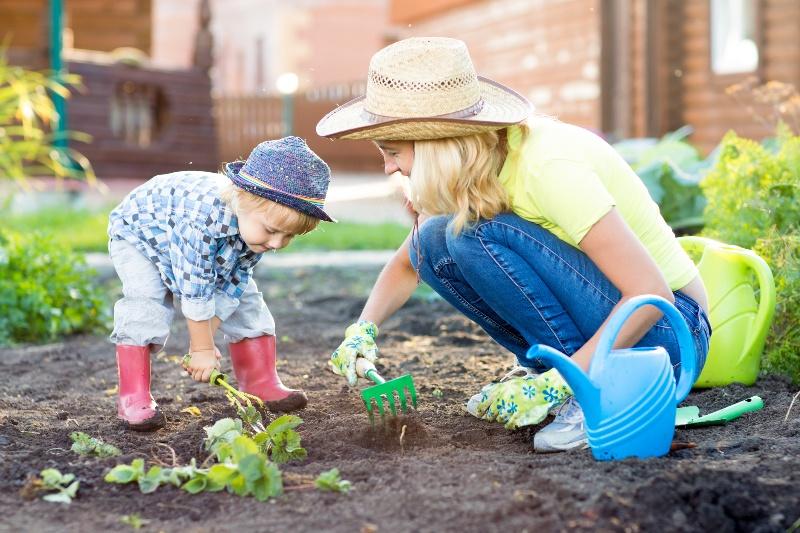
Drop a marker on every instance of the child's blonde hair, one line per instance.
(458, 176)
(288, 219)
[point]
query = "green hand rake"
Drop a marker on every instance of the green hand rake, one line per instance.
(235, 396)
(385, 390)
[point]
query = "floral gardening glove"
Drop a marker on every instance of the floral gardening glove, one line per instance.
(359, 341)
(522, 401)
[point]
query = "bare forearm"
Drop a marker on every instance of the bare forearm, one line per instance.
(394, 286)
(201, 333)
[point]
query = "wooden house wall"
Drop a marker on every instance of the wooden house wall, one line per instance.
(548, 50)
(704, 102)
(105, 25)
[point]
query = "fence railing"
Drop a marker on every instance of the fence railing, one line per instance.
(244, 121)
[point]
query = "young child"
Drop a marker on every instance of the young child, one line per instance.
(197, 236)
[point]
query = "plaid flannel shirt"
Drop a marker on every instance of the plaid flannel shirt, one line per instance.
(179, 222)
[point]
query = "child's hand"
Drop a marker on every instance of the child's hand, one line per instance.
(202, 363)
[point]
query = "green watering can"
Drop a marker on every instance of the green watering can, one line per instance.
(739, 322)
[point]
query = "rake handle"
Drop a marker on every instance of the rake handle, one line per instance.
(365, 369)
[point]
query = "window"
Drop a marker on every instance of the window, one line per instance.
(733, 36)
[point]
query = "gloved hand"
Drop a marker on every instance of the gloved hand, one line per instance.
(359, 341)
(521, 401)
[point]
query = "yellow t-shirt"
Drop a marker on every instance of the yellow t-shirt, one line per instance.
(566, 178)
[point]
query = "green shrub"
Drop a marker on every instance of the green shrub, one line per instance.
(671, 169)
(752, 195)
(46, 291)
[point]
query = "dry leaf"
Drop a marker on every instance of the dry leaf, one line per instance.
(192, 410)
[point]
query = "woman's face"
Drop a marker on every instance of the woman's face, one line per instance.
(398, 156)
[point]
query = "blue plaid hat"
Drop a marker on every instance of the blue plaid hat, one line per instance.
(285, 171)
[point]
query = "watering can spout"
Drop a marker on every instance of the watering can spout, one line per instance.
(586, 392)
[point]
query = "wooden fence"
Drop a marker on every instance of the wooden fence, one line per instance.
(143, 121)
(243, 122)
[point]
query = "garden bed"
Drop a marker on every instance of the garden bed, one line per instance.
(450, 471)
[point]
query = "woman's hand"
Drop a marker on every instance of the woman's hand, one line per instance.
(359, 341)
(202, 362)
(521, 401)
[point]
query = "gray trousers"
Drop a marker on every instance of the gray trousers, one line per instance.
(144, 313)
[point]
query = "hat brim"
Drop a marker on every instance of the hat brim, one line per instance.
(232, 171)
(502, 107)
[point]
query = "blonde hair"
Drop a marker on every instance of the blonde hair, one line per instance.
(458, 176)
(287, 218)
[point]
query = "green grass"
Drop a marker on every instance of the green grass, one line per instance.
(351, 236)
(79, 229)
(85, 231)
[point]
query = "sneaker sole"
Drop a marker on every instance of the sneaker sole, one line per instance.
(563, 448)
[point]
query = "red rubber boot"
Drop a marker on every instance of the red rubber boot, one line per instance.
(135, 404)
(254, 367)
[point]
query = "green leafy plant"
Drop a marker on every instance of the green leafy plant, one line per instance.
(64, 485)
(752, 202)
(28, 144)
(46, 291)
(83, 444)
(671, 169)
(278, 441)
(244, 470)
(330, 480)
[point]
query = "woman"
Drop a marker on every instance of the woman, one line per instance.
(535, 229)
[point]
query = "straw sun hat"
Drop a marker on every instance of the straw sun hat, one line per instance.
(424, 88)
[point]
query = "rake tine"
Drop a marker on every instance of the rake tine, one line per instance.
(390, 401)
(402, 396)
(413, 394)
(379, 403)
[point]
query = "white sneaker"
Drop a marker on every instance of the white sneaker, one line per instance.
(566, 432)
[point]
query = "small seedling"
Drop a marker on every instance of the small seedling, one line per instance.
(192, 410)
(437, 393)
(83, 444)
(65, 485)
(133, 520)
(330, 480)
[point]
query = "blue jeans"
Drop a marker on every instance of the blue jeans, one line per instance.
(523, 286)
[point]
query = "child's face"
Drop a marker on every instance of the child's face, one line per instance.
(398, 156)
(260, 233)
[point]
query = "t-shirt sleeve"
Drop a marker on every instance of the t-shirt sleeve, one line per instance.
(571, 196)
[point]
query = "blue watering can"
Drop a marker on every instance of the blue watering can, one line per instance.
(630, 396)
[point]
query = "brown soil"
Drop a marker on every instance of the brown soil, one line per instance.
(450, 472)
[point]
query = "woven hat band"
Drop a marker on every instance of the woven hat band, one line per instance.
(319, 202)
(399, 97)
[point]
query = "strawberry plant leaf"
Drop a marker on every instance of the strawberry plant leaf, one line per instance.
(330, 480)
(83, 444)
(59, 497)
(269, 484)
(283, 423)
(195, 485)
(63, 484)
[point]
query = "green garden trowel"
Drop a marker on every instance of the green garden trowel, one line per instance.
(385, 390)
(690, 416)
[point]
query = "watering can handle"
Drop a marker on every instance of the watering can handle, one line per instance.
(766, 298)
(693, 242)
(685, 341)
